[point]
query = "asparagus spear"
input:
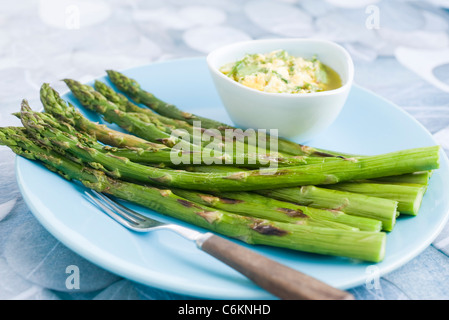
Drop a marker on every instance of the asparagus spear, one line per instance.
(200, 158)
(415, 178)
(94, 101)
(408, 196)
(134, 91)
(361, 205)
(158, 153)
(167, 156)
(267, 208)
(259, 209)
(151, 153)
(64, 111)
(210, 139)
(170, 124)
(156, 131)
(369, 246)
(126, 105)
(135, 123)
(421, 178)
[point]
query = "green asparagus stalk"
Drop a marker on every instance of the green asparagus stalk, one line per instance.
(135, 123)
(361, 205)
(133, 89)
(408, 196)
(59, 108)
(156, 155)
(151, 153)
(94, 101)
(421, 178)
(171, 125)
(238, 140)
(369, 246)
(164, 155)
(172, 157)
(267, 208)
(350, 202)
(126, 105)
(154, 130)
(325, 173)
(415, 178)
(259, 210)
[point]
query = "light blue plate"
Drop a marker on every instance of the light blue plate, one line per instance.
(367, 125)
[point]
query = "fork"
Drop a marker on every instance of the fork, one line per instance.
(280, 280)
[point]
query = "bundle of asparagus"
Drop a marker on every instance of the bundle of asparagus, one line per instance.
(314, 200)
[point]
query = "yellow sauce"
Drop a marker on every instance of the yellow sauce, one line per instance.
(279, 72)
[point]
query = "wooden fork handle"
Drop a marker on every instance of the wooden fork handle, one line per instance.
(280, 280)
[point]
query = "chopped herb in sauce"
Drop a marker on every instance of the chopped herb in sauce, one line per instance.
(280, 72)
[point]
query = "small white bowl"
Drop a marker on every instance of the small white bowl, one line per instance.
(302, 116)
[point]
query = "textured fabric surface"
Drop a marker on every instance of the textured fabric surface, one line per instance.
(48, 40)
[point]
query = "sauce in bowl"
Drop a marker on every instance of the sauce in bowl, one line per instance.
(280, 72)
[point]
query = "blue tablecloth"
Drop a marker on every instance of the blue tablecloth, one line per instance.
(47, 40)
